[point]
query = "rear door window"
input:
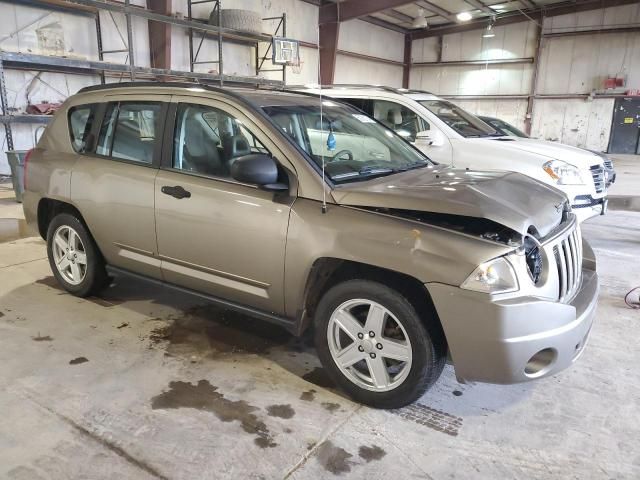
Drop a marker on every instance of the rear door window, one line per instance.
(130, 131)
(81, 119)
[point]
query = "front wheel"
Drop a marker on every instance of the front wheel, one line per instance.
(374, 345)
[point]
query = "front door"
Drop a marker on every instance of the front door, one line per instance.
(625, 131)
(216, 235)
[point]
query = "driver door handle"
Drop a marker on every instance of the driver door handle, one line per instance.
(176, 192)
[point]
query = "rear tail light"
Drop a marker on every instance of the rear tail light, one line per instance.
(24, 172)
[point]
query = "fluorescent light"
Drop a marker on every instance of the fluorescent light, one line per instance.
(464, 16)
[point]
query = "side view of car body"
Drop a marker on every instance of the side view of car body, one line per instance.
(391, 260)
(450, 135)
(508, 130)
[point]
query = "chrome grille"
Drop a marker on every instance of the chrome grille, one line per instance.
(608, 164)
(568, 255)
(597, 172)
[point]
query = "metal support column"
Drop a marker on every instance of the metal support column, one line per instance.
(130, 41)
(220, 66)
(99, 38)
(5, 107)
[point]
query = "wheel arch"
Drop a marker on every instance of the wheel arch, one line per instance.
(328, 271)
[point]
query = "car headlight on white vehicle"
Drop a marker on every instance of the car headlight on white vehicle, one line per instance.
(494, 276)
(563, 173)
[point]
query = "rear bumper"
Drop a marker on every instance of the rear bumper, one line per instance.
(493, 341)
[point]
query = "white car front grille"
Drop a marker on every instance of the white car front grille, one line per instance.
(567, 251)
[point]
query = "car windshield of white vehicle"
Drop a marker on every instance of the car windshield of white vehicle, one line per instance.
(354, 146)
(505, 128)
(464, 123)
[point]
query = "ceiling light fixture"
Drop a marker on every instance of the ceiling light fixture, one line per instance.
(420, 21)
(488, 32)
(464, 16)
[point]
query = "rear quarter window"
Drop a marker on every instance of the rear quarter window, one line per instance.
(81, 120)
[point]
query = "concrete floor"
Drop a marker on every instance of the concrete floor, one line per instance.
(144, 383)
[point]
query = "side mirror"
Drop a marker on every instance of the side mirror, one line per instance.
(430, 137)
(257, 169)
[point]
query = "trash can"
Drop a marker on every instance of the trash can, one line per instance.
(16, 162)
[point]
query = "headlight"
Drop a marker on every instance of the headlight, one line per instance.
(494, 276)
(563, 173)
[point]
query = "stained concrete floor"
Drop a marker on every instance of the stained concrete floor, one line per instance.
(144, 383)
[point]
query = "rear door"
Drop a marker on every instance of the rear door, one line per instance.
(217, 235)
(113, 183)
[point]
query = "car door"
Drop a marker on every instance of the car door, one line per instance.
(216, 235)
(113, 183)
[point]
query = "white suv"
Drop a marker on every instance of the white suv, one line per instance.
(450, 135)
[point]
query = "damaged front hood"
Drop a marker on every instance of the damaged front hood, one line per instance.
(507, 198)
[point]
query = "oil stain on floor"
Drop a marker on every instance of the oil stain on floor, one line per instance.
(371, 453)
(281, 411)
(334, 459)
(210, 331)
(204, 396)
(13, 229)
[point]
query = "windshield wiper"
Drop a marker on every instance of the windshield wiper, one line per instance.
(413, 166)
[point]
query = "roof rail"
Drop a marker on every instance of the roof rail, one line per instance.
(358, 85)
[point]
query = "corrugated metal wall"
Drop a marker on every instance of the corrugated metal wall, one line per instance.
(568, 66)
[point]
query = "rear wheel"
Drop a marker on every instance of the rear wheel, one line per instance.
(74, 257)
(375, 346)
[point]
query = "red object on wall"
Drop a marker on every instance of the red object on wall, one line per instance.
(613, 82)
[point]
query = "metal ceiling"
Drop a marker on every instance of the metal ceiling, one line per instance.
(442, 13)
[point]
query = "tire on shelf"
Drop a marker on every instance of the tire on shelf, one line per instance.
(238, 19)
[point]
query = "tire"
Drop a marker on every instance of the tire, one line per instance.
(405, 380)
(93, 276)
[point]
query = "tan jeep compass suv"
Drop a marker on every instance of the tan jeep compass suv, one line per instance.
(221, 192)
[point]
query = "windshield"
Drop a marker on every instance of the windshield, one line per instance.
(354, 146)
(505, 128)
(463, 122)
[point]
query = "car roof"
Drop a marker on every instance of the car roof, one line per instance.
(257, 97)
(346, 88)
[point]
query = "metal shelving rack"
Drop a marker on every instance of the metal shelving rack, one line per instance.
(101, 67)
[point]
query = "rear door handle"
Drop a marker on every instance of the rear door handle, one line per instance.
(176, 192)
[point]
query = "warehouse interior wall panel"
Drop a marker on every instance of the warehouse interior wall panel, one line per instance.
(357, 70)
(362, 37)
(585, 124)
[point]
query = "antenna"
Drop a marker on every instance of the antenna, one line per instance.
(324, 183)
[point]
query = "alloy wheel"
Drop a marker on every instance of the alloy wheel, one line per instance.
(69, 255)
(369, 345)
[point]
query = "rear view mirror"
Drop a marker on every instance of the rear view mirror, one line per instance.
(257, 169)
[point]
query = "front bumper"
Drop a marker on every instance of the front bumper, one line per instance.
(493, 340)
(585, 206)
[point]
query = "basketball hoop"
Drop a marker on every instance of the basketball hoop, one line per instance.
(296, 67)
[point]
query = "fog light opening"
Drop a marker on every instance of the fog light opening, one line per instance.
(540, 363)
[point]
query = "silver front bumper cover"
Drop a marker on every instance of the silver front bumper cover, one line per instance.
(493, 340)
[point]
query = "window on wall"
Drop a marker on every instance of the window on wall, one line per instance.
(130, 131)
(81, 120)
(207, 140)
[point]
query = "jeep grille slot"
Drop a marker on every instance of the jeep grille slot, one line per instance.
(568, 256)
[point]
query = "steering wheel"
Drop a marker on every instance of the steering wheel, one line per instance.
(340, 153)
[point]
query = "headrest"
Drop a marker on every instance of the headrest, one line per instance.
(394, 116)
(235, 146)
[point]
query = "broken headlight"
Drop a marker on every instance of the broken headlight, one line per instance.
(494, 276)
(533, 259)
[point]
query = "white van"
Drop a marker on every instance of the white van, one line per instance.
(448, 134)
